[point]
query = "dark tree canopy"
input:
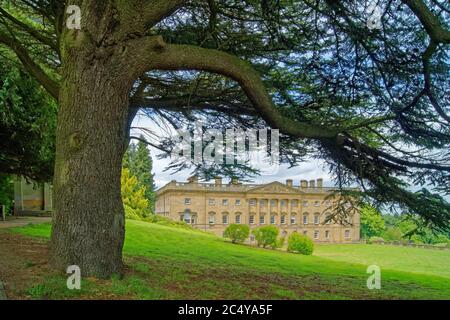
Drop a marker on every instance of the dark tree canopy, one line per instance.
(27, 125)
(374, 103)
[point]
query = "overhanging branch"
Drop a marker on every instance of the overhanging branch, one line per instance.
(187, 57)
(31, 66)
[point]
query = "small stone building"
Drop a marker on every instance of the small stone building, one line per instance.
(32, 198)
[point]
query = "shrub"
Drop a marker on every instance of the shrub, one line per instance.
(237, 232)
(376, 240)
(157, 219)
(266, 236)
(392, 234)
(133, 197)
(440, 245)
(131, 213)
(298, 243)
(280, 242)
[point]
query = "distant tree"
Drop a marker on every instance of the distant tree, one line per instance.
(266, 236)
(413, 228)
(372, 223)
(143, 166)
(237, 232)
(128, 158)
(138, 161)
(392, 234)
(133, 196)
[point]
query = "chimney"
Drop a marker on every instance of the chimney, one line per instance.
(312, 184)
(320, 183)
(303, 184)
(193, 179)
(289, 182)
(218, 181)
(234, 180)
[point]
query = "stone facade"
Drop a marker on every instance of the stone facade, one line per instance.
(32, 198)
(213, 206)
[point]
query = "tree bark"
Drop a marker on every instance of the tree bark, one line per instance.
(88, 220)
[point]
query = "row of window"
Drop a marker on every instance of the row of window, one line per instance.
(273, 219)
(263, 203)
(191, 219)
(316, 234)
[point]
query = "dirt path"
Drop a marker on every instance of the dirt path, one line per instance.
(12, 222)
(23, 261)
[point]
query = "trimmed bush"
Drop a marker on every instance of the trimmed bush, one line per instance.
(298, 243)
(266, 236)
(237, 232)
(375, 240)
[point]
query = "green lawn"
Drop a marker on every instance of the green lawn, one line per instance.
(417, 260)
(173, 263)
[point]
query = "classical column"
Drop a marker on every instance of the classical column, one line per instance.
(257, 211)
(289, 209)
(279, 211)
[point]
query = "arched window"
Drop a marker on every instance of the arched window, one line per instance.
(305, 218)
(187, 216)
(238, 217)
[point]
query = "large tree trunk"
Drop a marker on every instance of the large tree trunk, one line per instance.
(88, 220)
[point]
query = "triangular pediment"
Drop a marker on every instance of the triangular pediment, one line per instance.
(274, 187)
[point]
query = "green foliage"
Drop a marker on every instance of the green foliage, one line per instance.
(27, 125)
(392, 234)
(133, 197)
(299, 243)
(6, 191)
(375, 240)
(138, 161)
(411, 228)
(266, 236)
(237, 232)
(372, 223)
(157, 219)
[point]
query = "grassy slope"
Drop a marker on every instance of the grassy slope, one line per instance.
(179, 264)
(418, 260)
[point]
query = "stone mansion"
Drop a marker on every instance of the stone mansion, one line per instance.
(213, 206)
